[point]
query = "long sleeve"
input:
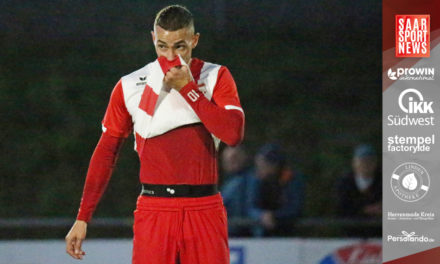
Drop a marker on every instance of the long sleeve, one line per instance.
(223, 115)
(116, 126)
(100, 169)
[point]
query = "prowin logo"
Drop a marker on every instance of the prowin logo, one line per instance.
(409, 238)
(411, 106)
(413, 74)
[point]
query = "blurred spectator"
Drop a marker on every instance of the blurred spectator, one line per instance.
(235, 190)
(234, 161)
(359, 192)
(276, 193)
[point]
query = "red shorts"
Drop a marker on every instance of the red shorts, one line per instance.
(192, 230)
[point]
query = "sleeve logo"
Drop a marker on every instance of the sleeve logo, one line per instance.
(193, 95)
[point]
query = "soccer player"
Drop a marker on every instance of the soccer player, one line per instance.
(179, 216)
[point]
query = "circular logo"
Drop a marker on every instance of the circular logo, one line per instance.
(410, 182)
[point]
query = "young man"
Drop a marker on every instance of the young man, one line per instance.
(180, 217)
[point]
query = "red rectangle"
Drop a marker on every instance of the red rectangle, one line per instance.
(412, 35)
(148, 100)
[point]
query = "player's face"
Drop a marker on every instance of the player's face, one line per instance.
(172, 43)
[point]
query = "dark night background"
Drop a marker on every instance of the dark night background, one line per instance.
(308, 74)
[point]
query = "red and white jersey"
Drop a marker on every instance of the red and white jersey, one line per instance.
(177, 133)
(140, 102)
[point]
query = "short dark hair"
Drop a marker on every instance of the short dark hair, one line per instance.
(174, 17)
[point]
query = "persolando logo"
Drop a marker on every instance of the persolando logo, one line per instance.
(406, 237)
(413, 74)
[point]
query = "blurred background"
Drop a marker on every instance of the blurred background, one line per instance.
(308, 75)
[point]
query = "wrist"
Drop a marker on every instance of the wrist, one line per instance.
(80, 223)
(81, 217)
(182, 84)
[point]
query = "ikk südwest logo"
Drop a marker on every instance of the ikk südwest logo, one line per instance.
(412, 35)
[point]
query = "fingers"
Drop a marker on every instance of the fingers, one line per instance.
(78, 250)
(177, 72)
(177, 77)
(172, 74)
(167, 77)
(73, 247)
(69, 247)
(174, 70)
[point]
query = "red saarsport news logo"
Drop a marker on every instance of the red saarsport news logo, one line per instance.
(412, 35)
